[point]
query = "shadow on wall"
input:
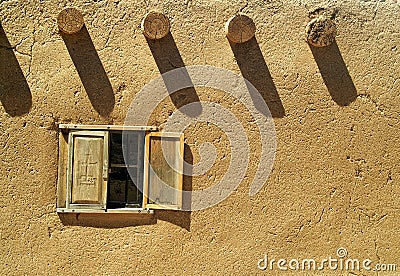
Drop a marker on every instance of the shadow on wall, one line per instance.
(335, 74)
(179, 218)
(167, 58)
(106, 220)
(15, 95)
(91, 71)
(253, 68)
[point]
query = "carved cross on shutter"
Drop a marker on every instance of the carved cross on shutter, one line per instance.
(87, 178)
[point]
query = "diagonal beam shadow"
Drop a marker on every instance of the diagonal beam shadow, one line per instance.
(253, 68)
(15, 94)
(167, 58)
(335, 74)
(91, 71)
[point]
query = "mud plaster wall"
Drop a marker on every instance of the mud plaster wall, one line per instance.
(335, 181)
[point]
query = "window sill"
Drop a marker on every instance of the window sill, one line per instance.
(113, 211)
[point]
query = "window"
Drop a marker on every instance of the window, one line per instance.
(119, 169)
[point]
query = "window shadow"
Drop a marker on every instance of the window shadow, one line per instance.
(167, 58)
(15, 94)
(181, 218)
(106, 220)
(91, 71)
(335, 74)
(253, 68)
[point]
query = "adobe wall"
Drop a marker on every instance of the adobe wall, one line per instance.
(335, 178)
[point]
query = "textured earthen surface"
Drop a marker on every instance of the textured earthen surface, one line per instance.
(335, 181)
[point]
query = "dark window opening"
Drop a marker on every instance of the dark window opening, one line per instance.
(126, 177)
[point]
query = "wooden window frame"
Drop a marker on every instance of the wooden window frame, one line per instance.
(65, 170)
(146, 170)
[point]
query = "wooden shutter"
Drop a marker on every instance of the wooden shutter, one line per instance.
(162, 183)
(87, 170)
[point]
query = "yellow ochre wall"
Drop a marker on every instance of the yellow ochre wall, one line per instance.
(335, 180)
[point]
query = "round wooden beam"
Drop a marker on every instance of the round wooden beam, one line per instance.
(155, 25)
(321, 31)
(240, 28)
(70, 21)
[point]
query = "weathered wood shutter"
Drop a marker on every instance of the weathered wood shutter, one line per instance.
(87, 170)
(163, 171)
